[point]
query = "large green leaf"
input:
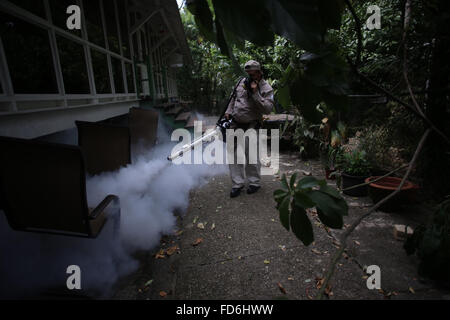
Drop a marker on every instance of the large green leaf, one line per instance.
(284, 182)
(307, 182)
(292, 180)
(335, 97)
(330, 12)
(203, 18)
(330, 220)
(283, 96)
(331, 209)
(330, 191)
(296, 20)
(301, 225)
(279, 195)
(247, 19)
(303, 200)
(221, 40)
(283, 93)
(284, 212)
(307, 96)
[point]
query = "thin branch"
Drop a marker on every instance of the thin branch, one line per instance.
(406, 24)
(352, 227)
(377, 179)
(415, 109)
(399, 101)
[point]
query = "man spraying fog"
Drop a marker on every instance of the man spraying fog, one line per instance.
(252, 98)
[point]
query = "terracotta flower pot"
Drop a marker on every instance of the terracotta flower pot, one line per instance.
(350, 181)
(382, 188)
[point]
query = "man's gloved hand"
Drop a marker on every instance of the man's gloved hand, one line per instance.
(254, 85)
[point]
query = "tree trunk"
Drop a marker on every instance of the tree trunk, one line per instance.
(437, 152)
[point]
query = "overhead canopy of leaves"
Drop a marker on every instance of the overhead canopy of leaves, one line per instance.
(304, 22)
(319, 76)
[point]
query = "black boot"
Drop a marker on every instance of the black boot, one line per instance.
(235, 192)
(252, 189)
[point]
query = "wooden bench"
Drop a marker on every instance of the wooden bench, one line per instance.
(143, 125)
(43, 189)
(106, 147)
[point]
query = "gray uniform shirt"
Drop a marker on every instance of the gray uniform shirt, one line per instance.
(245, 108)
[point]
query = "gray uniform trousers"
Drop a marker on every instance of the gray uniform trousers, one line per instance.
(239, 171)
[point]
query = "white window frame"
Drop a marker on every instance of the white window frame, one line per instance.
(66, 100)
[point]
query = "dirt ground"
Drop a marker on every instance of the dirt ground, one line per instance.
(237, 249)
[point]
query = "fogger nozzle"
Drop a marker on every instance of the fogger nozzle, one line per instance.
(189, 147)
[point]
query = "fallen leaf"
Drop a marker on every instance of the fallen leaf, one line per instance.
(411, 290)
(149, 282)
(316, 251)
(290, 278)
(319, 282)
(213, 226)
(281, 288)
(170, 251)
(201, 226)
(160, 254)
(328, 291)
(195, 220)
(163, 294)
(197, 241)
(266, 261)
(179, 233)
(357, 242)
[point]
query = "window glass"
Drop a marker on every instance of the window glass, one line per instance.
(101, 73)
(118, 75)
(73, 65)
(135, 46)
(34, 6)
(28, 54)
(94, 22)
(130, 81)
(123, 28)
(111, 26)
(58, 9)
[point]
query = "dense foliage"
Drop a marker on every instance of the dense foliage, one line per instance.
(319, 55)
(431, 241)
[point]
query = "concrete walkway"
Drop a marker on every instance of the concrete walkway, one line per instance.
(237, 249)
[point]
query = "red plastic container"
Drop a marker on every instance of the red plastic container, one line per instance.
(382, 188)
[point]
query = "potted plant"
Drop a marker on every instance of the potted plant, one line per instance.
(355, 170)
(331, 146)
(330, 161)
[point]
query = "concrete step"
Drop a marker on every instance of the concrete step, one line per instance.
(173, 111)
(183, 117)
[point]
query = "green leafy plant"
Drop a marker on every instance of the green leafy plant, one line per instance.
(297, 196)
(334, 157)
(356, 163)
(431, 242)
